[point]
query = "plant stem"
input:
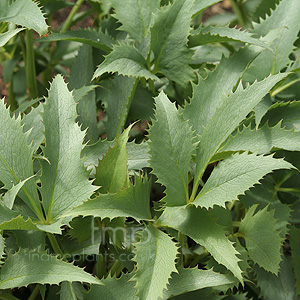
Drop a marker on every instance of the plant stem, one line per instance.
(11, 97)
(71, 15)
(287, 190)
(54, 244)
(238, 11)
(30, 66)
(34, 293)
(283, 87)
(101, 265)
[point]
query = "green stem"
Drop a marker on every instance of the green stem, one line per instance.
(283, 87)
(11, 97)
(236, 223)
(287, 190)
(101, 266)
(34, 293)
(238, 12)
(54, 244)
(71, 15)
(30, 66)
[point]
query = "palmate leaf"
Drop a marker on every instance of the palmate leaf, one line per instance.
(203, 229)
(113, 289)
(24, 13)
(263, 140)
(94, 38)
(171, 142)
(215, 34)
(284, 18)
(171, 27)
(188, 280)
(155, 255)
(234, 108)
(295, 249)
(6, 36)
(286, 112)
(263, 241)
(65, 182)
(26, 267)
(209, 93)
(126, 60)
(235, 175)
(117, 95)
(16, 158)
(133, 201)
(112, 171)
(135, 16)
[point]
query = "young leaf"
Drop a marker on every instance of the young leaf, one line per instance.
(126, 60)
(155, 255)
(135, 16)
(263, 140)
(112, 171)
(234, 108)
(10, 195)
(16, 158)
(214, 34)
(188, 280)
(198, 225)
(295, 249)
(235, 175)
(86, 108)
(171, 142)
(133, 201)
(113, 289)
(65, 182)
(208, 94)
(24, 13)
(96, 39)
(263, 242)
(171, 27)
(117, 94)
(27, 267)
(6, 36)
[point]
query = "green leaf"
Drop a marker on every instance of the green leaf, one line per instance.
(287, 112)
(94, 38)
(112, 170)
(133, 201)
(188, 280)
(209, 93)
(30, 239)
(126, 60)
(234, 108)
(65, 182)
(263, 140)
(39, 267)
(277, 287)
(203, 229)
(24, 13)
(171, 27)
(16, 158)
(155, 255)
(117, 94)
(10, 195)
(135, 16)
(32, 123)
(295, 249)
(263, 241)
(285, 19)
(80, 93)
(216, 34)
(264, 7)
(261, 108)
(171, 142)
(6, 36)
(138, 156)
(200, 5)
(71, 291)
(86, 108)
(233, 176)
(113, 289)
